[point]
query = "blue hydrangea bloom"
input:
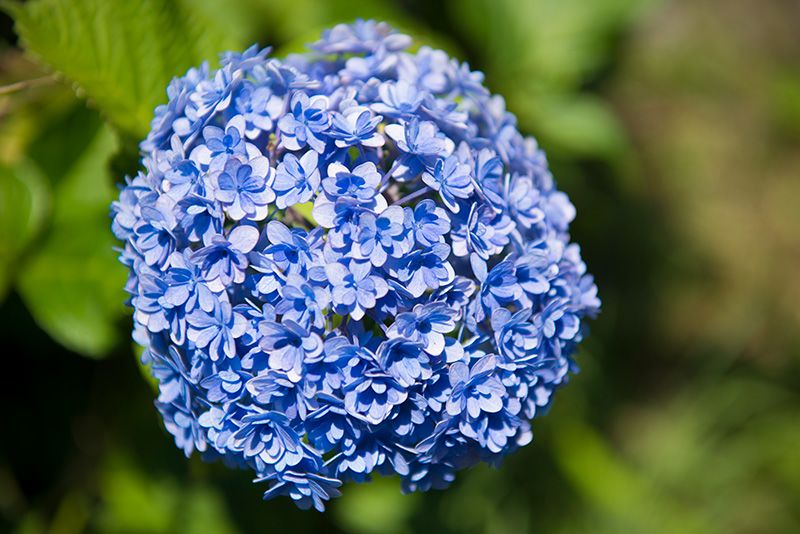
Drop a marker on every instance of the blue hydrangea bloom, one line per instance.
(349, 262)
(296, 180)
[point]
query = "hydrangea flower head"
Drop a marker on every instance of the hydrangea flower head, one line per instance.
(349, 262)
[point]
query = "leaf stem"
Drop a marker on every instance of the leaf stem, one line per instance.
(27, 84)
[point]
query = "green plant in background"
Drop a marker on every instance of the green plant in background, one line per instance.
(684, 417)
(545, 52)
(54, 205)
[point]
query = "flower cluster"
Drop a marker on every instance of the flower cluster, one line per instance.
(349, 262)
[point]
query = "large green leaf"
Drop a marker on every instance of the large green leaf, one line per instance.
(123, 54)
(72, 284)
(24, 199)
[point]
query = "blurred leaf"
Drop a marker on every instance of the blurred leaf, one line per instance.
(133, 500)
(32, 523)
(306, 210)
(24, 201)
(121, 53)
(544, 43)
(302, 20)
(785, 102)
(63, 136)
(377, 507)
(26, 113)
(491, 501)
(72, 515)
(739, 433)
(539, 54)
(203, 510)
(221, 17)
(295, 23)
(579, 126)
(629, 500)
(73, 283)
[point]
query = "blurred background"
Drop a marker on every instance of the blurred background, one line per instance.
(674, 126)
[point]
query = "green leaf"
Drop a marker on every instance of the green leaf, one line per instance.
(73, 283)
(62, 138)
(609, 484)
(546, 43)
(306, 210)
(540, 54)
(203, 510)
(134, 499)
(24, 202)
(375, 508)
(785, 102)
(580, 125)
(123, 54)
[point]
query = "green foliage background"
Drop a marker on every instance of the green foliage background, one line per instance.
(673, 125)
